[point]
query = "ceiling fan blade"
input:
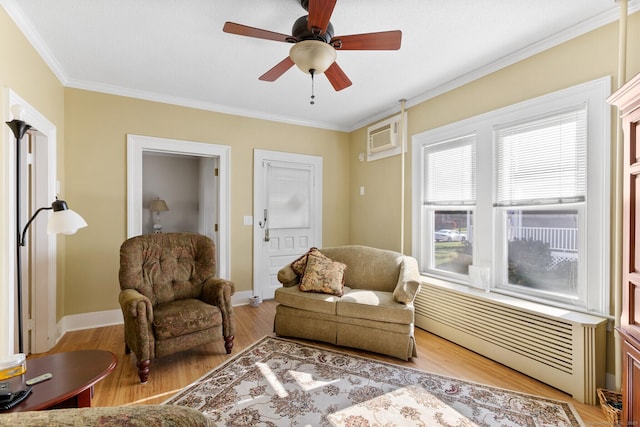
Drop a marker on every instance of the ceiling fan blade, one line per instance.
(273, 74)
(319, 14)
(337, 77)
(244, 30)
(385, 40)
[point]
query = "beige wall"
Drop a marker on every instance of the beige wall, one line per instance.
(96, 130)
(375, 216)
(585, 58)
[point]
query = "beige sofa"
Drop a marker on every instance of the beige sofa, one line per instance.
(375, 312)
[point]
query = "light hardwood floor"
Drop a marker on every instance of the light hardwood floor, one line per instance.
(170, 374)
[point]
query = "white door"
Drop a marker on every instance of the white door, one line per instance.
(287, 215)
(39, 280)
(208, 195)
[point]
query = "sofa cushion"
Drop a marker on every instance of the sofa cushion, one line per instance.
(318, 303)
(374, 305)
(323, 275)
(184, 316)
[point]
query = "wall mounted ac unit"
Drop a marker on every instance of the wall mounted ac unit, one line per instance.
(383, 138)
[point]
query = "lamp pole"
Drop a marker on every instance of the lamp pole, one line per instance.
(19, 128)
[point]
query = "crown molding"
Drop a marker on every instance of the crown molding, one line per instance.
(582, 28)
(199, 105)
(36, 40)
(34, 37)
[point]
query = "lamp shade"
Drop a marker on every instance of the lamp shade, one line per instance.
(312, 55)
(65, 221)
(158, 205)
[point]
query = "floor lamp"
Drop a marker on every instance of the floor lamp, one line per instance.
(63, 219)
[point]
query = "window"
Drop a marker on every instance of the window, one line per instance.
(539, 201)
(523, 193)
(449, 198)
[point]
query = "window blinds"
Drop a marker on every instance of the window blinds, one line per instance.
(450, 172)
(542, 161)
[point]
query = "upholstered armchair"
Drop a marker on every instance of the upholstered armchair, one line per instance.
(170, 296)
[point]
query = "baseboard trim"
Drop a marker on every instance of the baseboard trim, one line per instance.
(96, 319)
(241, 298)
(99, 319)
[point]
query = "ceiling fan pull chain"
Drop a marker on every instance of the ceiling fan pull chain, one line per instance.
(313, 96)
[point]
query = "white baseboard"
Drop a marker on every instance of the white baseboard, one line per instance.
(99, 319)
(241, 298)
(96, 319)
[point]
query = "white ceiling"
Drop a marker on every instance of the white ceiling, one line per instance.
(175, 51)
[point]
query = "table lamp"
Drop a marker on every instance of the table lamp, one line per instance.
(158, 205)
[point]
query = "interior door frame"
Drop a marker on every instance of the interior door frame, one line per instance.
(260, 156)
(138, 144)
(43, 316)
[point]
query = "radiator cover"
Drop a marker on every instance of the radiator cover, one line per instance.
(566, 350)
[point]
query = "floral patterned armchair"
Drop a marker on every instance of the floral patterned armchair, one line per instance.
(170, 298)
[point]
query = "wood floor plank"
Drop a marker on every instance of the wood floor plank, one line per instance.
(172, 373)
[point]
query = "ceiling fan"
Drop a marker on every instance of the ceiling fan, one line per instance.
(314, 44)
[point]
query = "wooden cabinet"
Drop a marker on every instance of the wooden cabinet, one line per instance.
(631, 379)
(627, 99)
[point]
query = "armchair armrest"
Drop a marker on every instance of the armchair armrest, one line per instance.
(218, 292)
(408, 281)
(138, 319)
(135, 305)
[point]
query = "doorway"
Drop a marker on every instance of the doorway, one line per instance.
(287, 213)
(188, 186)
(38, 189)
(213, 203)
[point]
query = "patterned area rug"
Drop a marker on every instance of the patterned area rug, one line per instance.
(277, 382)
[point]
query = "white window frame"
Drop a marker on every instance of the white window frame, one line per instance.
(427, 212)
(596, 237)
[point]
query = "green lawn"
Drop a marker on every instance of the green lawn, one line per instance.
(450, 256)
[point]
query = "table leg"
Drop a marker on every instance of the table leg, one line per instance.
(84, 398)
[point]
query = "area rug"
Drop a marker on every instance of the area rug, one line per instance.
(279, 382)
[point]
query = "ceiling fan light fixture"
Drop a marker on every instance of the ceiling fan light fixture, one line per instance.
(312, 55)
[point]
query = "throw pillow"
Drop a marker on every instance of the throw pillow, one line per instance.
(323, 275)
(299, 265)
